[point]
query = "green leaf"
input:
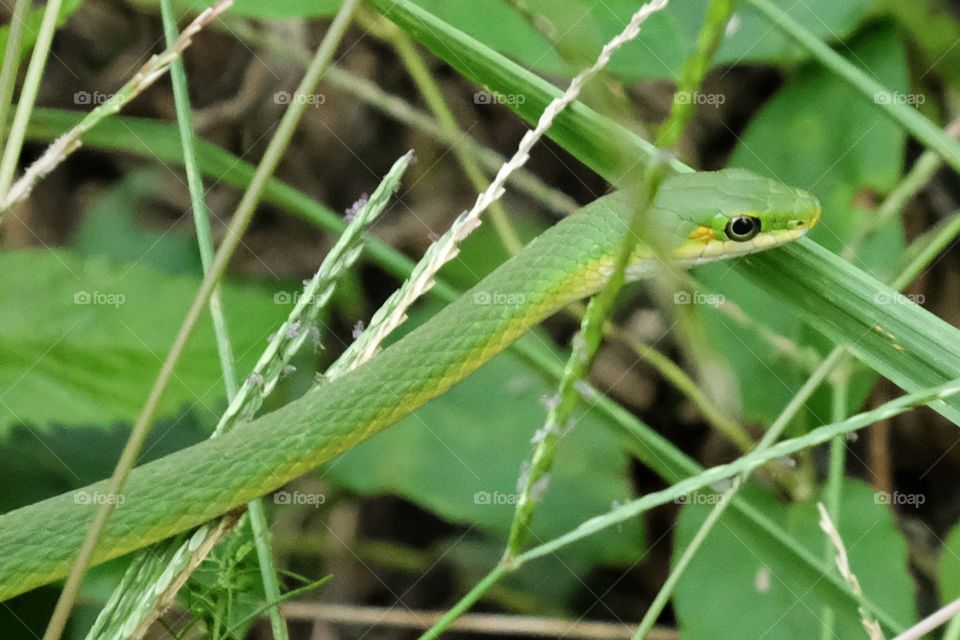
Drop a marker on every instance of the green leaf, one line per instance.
(502, 28)
(839, 152)
(81, 340)
(736, 588)
(460, 456)
(898, 339)
(593, 139)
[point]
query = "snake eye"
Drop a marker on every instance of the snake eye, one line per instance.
(742, 228)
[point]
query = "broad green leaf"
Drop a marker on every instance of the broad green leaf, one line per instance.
(502, 28)
(461, 454)
(835, 153)
(668, 37)
(593, 139)
(736, 588)
(81, 340)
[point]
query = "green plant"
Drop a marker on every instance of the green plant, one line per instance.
(852, 312)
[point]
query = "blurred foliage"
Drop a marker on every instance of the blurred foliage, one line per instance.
(949, 567)
(104, 312)
(31, 25)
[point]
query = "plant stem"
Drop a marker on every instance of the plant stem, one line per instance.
(588, 339)
(833, 489)
(666, 590)
(11, 62)
(28, 96)
(742, 466)
(464, 604)
(241, 219)
(201, 215)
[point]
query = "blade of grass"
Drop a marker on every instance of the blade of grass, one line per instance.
(28, 97)
(11, 62)
(709, 477)
(895, 337)
(148, 585)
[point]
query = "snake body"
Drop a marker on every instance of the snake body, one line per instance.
(697, 214)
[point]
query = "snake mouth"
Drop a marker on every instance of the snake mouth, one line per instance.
(691, 255)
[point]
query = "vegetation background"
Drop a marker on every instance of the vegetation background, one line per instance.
(99, 266)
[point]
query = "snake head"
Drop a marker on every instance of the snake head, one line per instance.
(734, 212)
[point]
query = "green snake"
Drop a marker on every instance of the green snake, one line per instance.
(698, 218)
